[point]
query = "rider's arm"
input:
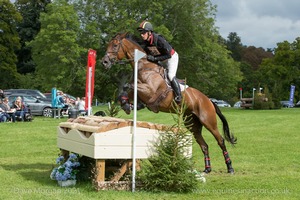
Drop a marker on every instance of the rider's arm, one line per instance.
(164, 48)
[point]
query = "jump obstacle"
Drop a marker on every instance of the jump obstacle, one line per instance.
(108, 138)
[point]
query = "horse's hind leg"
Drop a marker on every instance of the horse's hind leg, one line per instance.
(210, 123)
(221, 143)
(196, 128)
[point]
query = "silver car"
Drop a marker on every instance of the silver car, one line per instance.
(222, 103)
(36, 106)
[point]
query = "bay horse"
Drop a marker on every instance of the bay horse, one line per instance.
(155, 93)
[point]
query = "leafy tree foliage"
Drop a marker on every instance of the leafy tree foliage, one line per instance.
(9, 43)
(55, 49)
(250, 59)
(28, 29)
(189, 25)
(283, 70)
(235, 46)
(68, 30)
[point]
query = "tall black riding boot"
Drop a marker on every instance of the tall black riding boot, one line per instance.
(176, 89)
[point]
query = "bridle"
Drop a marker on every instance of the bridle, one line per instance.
(115, 52)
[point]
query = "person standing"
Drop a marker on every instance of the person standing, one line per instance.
(158, 49)
(81, 106)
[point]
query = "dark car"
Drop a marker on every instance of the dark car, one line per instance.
(36, 106)
(32, 92)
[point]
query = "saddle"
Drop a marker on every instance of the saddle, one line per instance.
(164, 74)
(154, 102)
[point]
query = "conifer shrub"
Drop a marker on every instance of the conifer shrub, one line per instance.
(169, 169)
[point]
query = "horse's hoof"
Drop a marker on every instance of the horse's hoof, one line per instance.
(231, 171)
(126, 108)
(207, 170)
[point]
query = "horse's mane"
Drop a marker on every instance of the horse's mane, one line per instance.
(131, 37)
(137, 40)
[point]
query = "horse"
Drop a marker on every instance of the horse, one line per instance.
(155, 93)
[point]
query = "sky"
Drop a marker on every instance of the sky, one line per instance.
(259, 23)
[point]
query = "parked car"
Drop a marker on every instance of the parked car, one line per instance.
(287, 104)
(36, 106)
(35, 93)
(213, 100)
(222, 103)
(297, 105)
(48, 95)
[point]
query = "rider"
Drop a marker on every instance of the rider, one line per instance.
(158, 49)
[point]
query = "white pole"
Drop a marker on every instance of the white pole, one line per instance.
(134, 125)
(137, 55)
(90, 91)
(253, 97)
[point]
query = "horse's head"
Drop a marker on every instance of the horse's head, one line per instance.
(114, 51)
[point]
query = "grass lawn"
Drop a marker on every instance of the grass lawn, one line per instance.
(266, 159)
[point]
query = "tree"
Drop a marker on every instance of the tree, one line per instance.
(28, 29)
(282, 70)
(169, 168)
(9, 43)
(55, 49)
(188, 25)
(204, 61)
(251, 59)
(234, 45)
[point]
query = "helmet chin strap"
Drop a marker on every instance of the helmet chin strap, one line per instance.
(149, 35)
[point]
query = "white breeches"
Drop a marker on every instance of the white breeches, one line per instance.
(172, 66)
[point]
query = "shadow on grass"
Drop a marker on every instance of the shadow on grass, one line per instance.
(38, 172)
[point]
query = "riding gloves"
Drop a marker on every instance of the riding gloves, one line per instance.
(151, 58)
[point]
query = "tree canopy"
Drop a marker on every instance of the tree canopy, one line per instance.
(9, 43)
(55, 36)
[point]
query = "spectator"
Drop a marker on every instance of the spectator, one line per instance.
(3, 114)
(76, 102)
(7, 109)
(68, 104)
(2, 96)
(20, 108)
(61, 104)
(60, 100)
(81, 106)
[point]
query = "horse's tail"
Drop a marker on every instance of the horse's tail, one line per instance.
(228, 136)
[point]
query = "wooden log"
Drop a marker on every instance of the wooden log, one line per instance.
(126, 165)
(246, 99)
(246, 105)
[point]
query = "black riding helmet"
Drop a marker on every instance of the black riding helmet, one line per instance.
(145, 26)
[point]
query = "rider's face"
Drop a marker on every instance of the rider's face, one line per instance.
(145, 35)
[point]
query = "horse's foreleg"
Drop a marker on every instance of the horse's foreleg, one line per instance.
(124, 101)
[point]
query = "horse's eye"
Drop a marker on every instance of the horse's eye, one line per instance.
(115, 47)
